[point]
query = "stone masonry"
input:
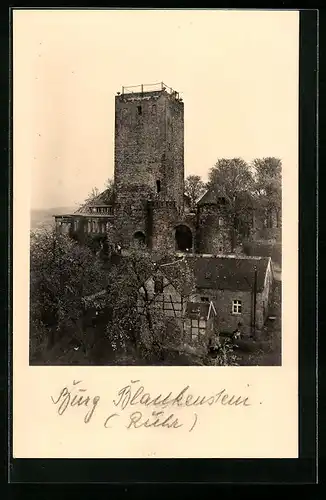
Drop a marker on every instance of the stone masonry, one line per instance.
(148, 203)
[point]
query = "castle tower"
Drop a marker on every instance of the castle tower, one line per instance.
(149, 158)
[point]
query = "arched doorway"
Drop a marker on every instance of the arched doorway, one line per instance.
(139, 238)
(183, 238)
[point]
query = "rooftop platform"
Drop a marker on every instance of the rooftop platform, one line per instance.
(148, 88)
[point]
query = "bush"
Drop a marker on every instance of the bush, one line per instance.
(264, 249)
(250, 345)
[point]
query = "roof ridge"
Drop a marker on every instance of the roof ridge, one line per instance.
(226, 256)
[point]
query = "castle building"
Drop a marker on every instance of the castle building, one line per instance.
(148, 203)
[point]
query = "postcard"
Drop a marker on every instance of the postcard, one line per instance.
(155, 233)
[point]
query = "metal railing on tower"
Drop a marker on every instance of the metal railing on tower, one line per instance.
(149, 87)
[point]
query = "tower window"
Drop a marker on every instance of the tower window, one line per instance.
(158, 186)
(158, 285)
(139, 110)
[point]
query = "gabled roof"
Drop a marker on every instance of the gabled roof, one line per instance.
(209, 197)
(225, 272)
(228, 272)
(103, 199)
(212, 197)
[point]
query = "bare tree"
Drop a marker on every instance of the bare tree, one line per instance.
(92, 194)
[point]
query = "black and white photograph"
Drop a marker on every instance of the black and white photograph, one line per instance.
(156, 155)
(155, 233)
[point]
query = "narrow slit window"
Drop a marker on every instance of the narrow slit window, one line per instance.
(158, 285)
(139, 110)
(158, 186)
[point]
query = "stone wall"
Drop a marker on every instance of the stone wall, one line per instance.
(227, 321)
(174, 164)
(148, 159)
(164, 217)
(212, 233)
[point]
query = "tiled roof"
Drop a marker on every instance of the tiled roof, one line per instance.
(209, 197)
(103, 199)
(228, 273)
(222, 272)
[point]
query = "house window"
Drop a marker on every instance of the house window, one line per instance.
(198, 327)
(220, 221)
(139, 110)
(236, 306)
(194, 333)
(167, 304)
(158, 186)
(204, 299)
(158, 285)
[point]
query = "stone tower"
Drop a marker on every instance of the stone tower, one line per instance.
(149, 159)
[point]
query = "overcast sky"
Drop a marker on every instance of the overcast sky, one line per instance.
(237, 72)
